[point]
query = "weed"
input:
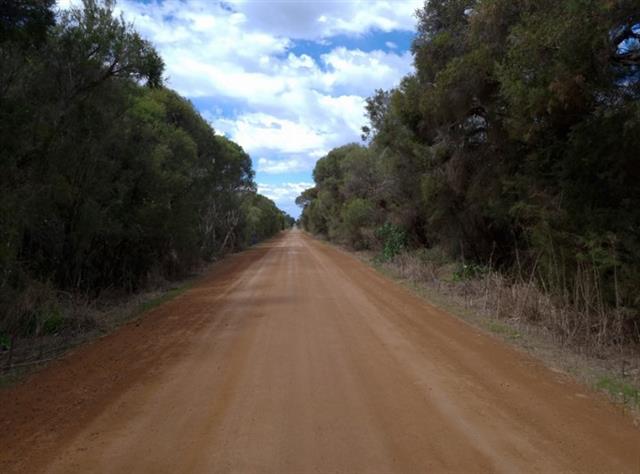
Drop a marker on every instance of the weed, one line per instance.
(6, 380)
(394, 241)
(503, 330)
(433, 255)
(5, 342)
(569, 330)
(620, 389)
(53, 322)
(169, 295)
(469, 271)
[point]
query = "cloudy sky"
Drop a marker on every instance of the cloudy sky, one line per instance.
(285, 79)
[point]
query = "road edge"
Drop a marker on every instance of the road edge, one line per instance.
(533, 342)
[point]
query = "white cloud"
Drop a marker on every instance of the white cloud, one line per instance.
(321, 122)
(288, 109)
(358, 70)
(255, 131)
(282, 166)
(322, 19)
(296, 104)
(284, 194)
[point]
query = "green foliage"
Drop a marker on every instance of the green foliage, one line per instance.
(5, 342)
(339, 205)
(25, 21)
(620, 390)
(105, 181)
(53, 322)
(503, 329)
(393, 239)
(469, 271)
(167, 296)
(43, 319)
(433, 255)
(357, 214)
(261, 219)
(515, 142)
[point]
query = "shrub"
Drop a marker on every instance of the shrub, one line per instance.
(356, 215)
(433, 255)
(53, 321)
(393, 239)
(5, 342)
(469, 271)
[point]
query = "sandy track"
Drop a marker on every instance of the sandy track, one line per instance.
(295, 358)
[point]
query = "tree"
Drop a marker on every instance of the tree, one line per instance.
(514, 142)
(108, 177)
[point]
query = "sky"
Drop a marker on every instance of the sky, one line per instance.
(285, 79)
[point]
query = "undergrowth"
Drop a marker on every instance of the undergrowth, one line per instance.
(70, 322)
(166, 296)
(620, 389)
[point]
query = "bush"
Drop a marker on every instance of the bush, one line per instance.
(356, 215)
(393, 239)
(5, 342)
(433, 255)
(469, 271)
(53, 322)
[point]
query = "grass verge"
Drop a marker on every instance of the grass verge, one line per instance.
(164, 297)
(98, 319)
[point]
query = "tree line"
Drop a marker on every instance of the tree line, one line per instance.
(109, 178)
(514, 144)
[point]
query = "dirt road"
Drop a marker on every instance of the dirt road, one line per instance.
(294, 357)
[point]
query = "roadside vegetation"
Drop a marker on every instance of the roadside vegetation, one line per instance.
(111, 183)
(522, 314)
(507, 166)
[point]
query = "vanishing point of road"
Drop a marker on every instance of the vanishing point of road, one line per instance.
(294, 357)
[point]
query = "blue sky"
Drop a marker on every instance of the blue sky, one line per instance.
(285, 79)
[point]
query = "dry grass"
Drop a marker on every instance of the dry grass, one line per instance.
(572, 331)
(78, 319)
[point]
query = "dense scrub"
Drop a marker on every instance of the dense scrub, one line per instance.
(109, 179)
(514, 145)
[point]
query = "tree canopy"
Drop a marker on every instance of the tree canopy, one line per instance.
(108, 177)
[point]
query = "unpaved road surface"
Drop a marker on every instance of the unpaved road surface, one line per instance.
(294, 357)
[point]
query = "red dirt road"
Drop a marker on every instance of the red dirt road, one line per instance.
(294, 357)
